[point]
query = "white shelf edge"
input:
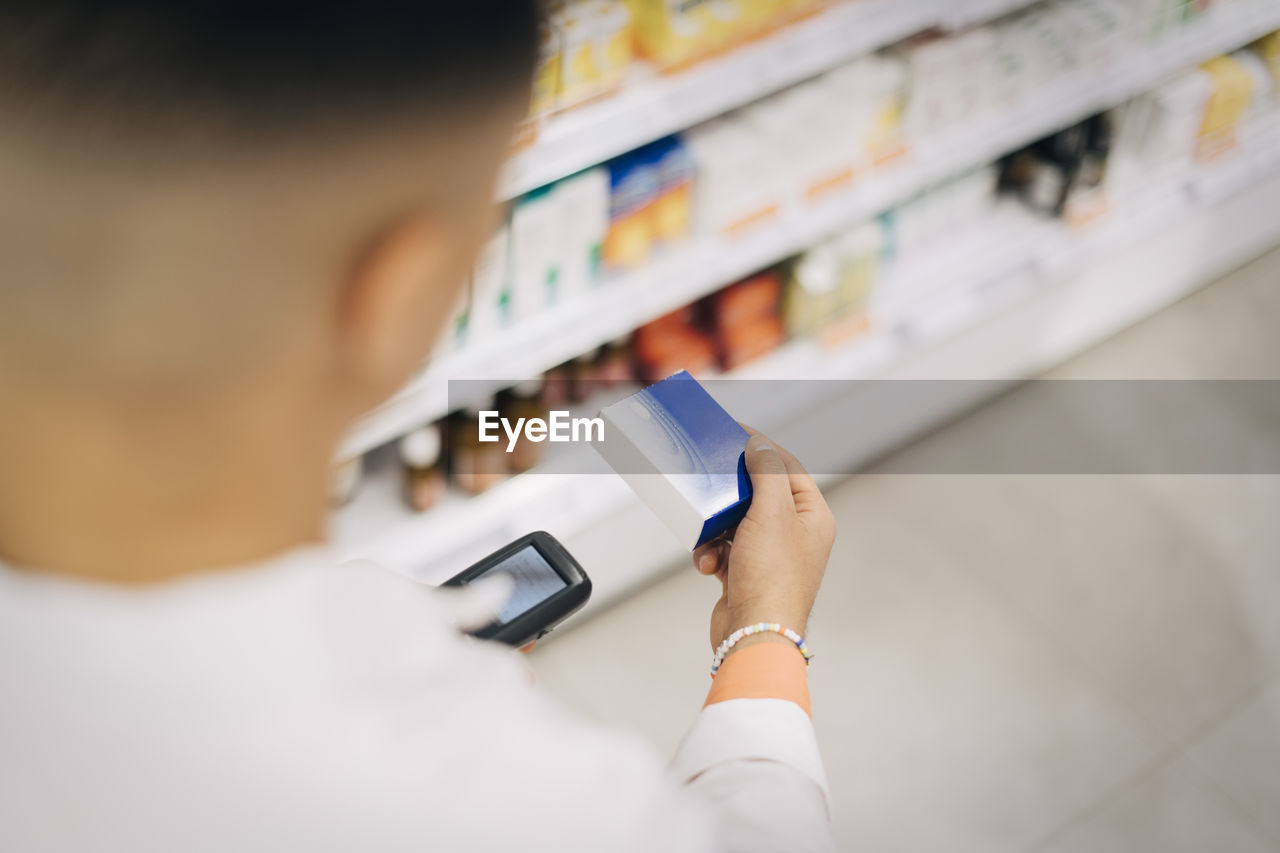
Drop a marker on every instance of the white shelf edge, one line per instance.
(698, 268)
(574, 507)
(958, 16)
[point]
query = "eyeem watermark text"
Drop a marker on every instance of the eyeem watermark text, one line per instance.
(558, 426)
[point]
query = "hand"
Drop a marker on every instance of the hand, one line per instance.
(774, 565)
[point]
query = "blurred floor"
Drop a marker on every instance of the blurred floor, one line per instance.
(1023, 663)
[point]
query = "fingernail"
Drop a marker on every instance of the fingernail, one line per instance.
(704, 562)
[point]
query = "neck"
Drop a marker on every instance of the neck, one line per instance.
(139, 493)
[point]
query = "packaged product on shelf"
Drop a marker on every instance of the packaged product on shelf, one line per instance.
(739, 345)
(1261, 88)
(1157, 132)
(746, 301)
(344, 480)
(536, 256)
(1232, 91)
(491, 287)
(732, 22)
(424, 477)
(812, 145)
(633, 190)
(1087, 198)
(476, 465)
(859, 251)
(745, 319)
(740, 177)
(673, 205)
(670, 343)
(828, 291)
(614, 39)
(546, 72)
(581, 76)
(524, 401)
(872, 91)
(673, 32)
(972, 51)
(1042, 173)
(940, 211)
(457, 331)
(1063, 175)
(584, 211)
(595, 48)
(932, 69)
(1008, 70)
(812, 296)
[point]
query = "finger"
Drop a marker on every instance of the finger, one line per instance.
(769, 480)
(803, 487)
(477, 604)
(711, 558)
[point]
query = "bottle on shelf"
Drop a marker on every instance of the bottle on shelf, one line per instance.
(744, 319)
(673, 342)
(424, 477)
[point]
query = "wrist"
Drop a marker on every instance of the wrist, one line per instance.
(756, 639)
(749, 636)
(753, 615)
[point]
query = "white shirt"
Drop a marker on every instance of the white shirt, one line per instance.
(308, 705)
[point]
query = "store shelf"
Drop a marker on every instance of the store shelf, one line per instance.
(703, 265)
(650, 108)
(957, 16)
(1015, 299)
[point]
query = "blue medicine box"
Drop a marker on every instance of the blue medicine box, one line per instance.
(682, 454)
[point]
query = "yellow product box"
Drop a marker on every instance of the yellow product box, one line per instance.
(759, 16)
(673, 32)
(633, 193)
(581, 76)
(730, 23)
(1232, 91)
(613, 42)
(546, 73)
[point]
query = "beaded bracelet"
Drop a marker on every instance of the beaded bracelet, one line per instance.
(760, 627)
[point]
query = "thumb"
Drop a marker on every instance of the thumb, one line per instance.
(475, 605)
(769, 481)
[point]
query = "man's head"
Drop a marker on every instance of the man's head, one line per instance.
(227, 227)
(193, 190)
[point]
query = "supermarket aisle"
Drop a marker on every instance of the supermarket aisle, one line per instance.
(1024, 663)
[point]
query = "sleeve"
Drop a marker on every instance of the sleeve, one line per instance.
(465, 752)
(753, 757)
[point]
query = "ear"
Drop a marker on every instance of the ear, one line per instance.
(397, 300)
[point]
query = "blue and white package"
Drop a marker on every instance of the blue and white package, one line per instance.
(682, 454)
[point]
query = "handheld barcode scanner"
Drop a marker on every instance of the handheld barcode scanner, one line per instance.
(550, 587)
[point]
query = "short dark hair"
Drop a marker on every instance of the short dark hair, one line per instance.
(257, 67)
